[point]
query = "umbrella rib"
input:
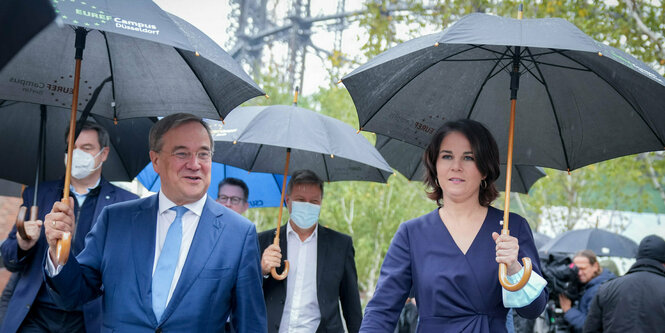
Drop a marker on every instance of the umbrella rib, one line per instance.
(251, 165)
(411, 79)
(487, 78)
(530, 72)
(325, 166)
(636, 108)
(561, 66)
(198, 77)
(556, 117)
(108, 52)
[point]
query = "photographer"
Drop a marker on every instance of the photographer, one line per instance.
(592, 276)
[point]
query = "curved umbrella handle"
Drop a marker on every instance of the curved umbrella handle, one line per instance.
(62, 248)
(273, 271)
(503, 268)
(20, 220)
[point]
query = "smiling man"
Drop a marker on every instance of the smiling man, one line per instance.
(233, 193)
(176, 261)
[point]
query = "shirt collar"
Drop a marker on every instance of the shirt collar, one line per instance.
(71, 188)
(195, 207)
(290, 231)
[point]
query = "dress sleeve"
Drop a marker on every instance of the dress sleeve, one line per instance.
(528, 249)
(393, 286)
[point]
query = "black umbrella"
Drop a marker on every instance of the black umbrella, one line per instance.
(581, 101)
(601, 242)
(10, 189)
(14, 32)
(37, 136)
(274, 138)
(407, 159)
(540, 239)
(140, 61)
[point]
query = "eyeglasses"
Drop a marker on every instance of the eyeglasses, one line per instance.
(234, 200)
(183, 155)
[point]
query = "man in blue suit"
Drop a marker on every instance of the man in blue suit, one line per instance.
(30, 307)
(175, 262)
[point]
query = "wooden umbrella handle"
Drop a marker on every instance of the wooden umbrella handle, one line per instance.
(20, 220)
(273, 271)
(275, 241)
(64, 244)
(503, 272)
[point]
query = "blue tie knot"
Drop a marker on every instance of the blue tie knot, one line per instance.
(179, 211)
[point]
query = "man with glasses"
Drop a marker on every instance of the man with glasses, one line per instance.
(233, 193)
(31, 309)
(174, 262)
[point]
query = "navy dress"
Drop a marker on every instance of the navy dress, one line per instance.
(455, 292)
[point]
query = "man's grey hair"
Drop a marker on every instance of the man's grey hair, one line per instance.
(170, 122)
(304, 177)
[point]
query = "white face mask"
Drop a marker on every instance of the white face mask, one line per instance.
(304, 214)
(83, 164)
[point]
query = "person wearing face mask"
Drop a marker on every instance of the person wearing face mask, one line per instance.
(31, 309)
(322, 270)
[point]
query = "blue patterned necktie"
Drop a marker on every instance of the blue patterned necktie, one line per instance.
(168, 259)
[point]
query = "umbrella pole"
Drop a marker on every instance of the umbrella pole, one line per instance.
(64, 244)
(514, 86)
(275, 241)
(34, 210)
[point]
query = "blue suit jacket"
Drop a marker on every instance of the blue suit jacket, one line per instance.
(221, 274)
(30, 267)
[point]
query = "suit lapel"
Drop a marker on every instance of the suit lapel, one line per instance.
(205, 239)
(144, 231)
(106, 197)
(321, 254)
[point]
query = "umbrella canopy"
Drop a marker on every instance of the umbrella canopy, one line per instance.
(256, 138)
(407, 159)
(20, 131)
(14, 33)
(601, 242)
(579, 101)
(146, 62)
(264, 188)
(540, 239)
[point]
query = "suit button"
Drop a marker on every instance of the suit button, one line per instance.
(282, 301)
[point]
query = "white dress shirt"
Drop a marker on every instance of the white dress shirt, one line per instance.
(301, 309)
(165, 216)
(190, 220)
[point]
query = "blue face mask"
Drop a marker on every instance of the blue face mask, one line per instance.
(304, 214)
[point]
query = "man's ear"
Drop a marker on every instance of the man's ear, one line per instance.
(154, 158)
(105, 153)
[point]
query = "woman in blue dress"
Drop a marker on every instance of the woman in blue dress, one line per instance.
(450, 255)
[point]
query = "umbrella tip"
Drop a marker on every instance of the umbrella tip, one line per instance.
(436, 44)
(115, 120)
(340, 81)
(197, 53)
(600, 54)
(520, 9)
(222, 120)
(568, 171)
(266, 95)
(332, 156)
(235, 141)
(358, 131)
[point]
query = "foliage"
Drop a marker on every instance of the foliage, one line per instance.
(371, 212)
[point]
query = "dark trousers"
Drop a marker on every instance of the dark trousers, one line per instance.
(46, 319)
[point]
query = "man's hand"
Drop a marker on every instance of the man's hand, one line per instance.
(565, 302)
(507, 248)
(59, 221)
(272, 257)
(33, 230)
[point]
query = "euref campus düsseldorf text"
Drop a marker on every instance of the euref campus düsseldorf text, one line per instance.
(122, 24)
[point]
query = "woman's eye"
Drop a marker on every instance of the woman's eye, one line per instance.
(446, 157)
(468, 158)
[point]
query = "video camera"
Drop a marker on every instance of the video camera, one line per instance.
(561, 277)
